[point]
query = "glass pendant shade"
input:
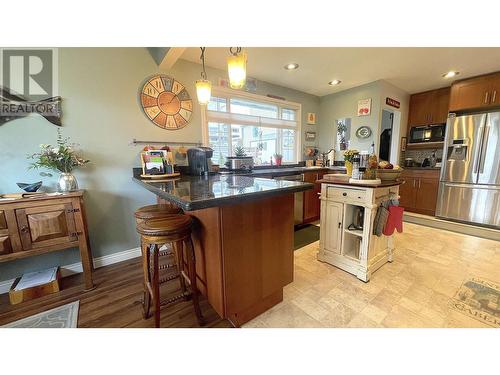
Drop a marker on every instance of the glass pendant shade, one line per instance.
(203, 90)
(237, 70)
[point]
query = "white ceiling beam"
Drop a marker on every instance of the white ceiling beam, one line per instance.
(171, 57)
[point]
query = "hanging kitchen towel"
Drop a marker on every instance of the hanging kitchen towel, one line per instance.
(380, 220)
(394, 221)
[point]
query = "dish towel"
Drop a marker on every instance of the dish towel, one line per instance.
(394, 221)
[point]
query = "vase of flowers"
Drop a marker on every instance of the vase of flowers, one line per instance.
(348, 156)
(62, 158)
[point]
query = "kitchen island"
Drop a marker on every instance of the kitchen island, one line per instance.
(347, 238)
(243, 237)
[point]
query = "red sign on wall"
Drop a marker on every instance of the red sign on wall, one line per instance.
(392, 102)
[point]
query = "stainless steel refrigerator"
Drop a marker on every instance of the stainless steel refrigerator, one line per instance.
(469, 187)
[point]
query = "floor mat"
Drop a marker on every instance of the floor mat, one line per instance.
(479, 299)
(306, 235)
(65, 316)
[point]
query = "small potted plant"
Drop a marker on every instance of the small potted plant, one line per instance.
(348, 156)
(278, 158)
(239, 151)
(63, 158)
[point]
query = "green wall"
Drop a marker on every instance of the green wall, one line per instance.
(345, 104)
(99, 88)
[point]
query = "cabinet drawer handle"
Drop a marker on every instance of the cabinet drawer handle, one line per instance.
(344, 194)
(414, 183)
(486, 97)
(419, 184)
(340, 225)
(24, 229)
(493, 98)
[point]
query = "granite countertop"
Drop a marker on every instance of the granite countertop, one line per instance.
(198, 192)
(423, 168)
(283, 171)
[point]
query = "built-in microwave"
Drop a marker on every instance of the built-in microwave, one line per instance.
(429, 133)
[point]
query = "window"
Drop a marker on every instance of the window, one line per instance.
(261, 125)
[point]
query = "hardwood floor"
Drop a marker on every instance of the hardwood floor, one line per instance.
(115, 302)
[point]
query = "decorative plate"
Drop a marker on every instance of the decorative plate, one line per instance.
(166, 102)
(363, 132)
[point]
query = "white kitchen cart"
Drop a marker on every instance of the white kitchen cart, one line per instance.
(356, 251)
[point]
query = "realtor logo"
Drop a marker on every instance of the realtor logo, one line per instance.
(28, 84)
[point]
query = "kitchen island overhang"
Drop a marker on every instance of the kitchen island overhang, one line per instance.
(243, 238)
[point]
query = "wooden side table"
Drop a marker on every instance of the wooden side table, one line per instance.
(39, 225)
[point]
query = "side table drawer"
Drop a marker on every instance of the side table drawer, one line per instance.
(3, 220)
(342, 195)
(5, 245)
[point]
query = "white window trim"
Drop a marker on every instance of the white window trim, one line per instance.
(227, 92)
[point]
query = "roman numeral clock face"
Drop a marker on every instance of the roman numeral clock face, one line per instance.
(166, 102)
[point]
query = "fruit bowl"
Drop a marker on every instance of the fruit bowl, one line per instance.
(389, 174)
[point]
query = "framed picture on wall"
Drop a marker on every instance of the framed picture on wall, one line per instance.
(403, 143)
(310, 136)
(311, 118)
(364, 107)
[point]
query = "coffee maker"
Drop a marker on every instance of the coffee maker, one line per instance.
(198, 160)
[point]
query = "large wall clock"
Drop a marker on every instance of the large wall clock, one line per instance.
(166, 102)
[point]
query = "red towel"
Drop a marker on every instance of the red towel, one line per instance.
(394, 221)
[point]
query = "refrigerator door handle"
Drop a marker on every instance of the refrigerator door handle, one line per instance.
(484, 148)
(477, 158)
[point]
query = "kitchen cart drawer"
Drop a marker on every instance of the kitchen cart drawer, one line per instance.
(342, 195)
(5, 245)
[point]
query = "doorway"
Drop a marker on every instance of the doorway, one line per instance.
(386, 135)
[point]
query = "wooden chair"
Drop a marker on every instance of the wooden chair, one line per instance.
(173, 230)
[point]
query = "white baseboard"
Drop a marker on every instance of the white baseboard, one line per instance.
(70, 269)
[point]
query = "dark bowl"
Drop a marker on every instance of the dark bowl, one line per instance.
(30, 188)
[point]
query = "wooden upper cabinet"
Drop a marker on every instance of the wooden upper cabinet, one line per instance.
(475, 93)
(430, 107)
(470, 94)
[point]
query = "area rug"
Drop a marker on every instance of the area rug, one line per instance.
(479, 299)
(306, 235)
(65, 316)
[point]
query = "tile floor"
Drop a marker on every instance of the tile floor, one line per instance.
(415, 290)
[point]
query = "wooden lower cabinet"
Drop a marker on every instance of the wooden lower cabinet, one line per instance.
(312, 205)
(420, 190)
(35, 226)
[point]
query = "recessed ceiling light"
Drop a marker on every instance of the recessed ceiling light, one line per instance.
(334, 82)
(450, 74)
(291, 66)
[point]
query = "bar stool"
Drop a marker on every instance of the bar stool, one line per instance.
(173, 230)
(156, 211)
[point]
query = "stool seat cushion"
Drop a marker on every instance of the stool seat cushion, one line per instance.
(166, 226)
(154, 211)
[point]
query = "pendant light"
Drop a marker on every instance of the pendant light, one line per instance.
(203, 86)
(237, 68)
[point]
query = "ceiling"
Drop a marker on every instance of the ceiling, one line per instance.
(411, 69)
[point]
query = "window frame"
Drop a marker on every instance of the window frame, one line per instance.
(228, 93)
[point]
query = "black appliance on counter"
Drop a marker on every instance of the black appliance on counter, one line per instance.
(198, 158)
(429, 133)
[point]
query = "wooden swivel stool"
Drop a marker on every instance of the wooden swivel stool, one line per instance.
(173, 230)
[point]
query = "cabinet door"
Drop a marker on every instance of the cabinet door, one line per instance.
(331, 226)
(440, 105)
(427, 192)
(470, 94)
(408, 192)
(46, 225)
(419, 109)
(495, 90)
